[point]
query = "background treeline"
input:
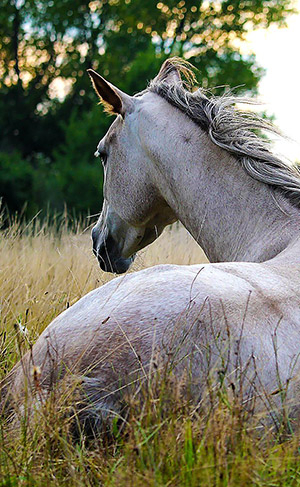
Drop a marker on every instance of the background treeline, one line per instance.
(50, 122)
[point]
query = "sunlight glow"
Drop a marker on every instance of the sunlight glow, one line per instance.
(276, 50)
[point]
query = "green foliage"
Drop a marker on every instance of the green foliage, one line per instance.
(16, 180)
(45, 42)
(78, 174)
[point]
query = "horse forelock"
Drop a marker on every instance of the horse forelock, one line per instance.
(240, 132)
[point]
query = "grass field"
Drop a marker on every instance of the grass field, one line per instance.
(166, 442)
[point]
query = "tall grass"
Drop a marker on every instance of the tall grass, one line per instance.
(166, 441)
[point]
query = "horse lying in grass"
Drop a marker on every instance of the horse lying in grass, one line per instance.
(174, 154)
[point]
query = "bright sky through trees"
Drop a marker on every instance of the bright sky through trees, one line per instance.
(277, 50)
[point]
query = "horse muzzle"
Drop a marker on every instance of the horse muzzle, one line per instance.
(108, 254)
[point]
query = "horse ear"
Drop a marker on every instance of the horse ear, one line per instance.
(169, 72)
(114, 100)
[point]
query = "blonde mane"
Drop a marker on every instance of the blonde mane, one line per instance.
(232, 129)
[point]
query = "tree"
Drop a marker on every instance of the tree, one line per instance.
(47, 43)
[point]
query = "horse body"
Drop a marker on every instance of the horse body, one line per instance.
(187, 318)
(168, 156)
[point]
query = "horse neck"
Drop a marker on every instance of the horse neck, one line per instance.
(232, 216)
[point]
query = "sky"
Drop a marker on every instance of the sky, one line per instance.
(277, 50)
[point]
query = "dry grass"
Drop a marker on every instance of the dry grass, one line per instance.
(43, 270)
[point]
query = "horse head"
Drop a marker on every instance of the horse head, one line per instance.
(134, 212)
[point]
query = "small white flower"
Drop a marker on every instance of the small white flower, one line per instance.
(23, 330)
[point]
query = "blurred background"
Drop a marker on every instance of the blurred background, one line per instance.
(50, 121)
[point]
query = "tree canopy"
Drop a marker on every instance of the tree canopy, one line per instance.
(50, 122)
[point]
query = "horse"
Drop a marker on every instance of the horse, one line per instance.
(175, 153)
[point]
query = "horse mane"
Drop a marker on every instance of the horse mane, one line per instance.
(235, 130)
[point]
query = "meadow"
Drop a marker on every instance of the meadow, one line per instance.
(166, 441)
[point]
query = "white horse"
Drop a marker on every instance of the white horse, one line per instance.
(174, 154)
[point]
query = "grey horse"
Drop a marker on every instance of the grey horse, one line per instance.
(173, 153)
